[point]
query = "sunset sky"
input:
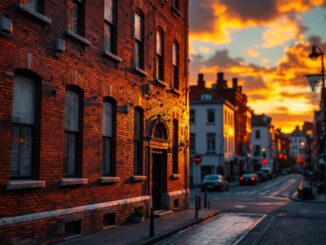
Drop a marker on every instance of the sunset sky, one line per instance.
(265, 43)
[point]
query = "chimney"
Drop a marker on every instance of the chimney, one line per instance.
(201, 81)
(221, 83)
(235, 83)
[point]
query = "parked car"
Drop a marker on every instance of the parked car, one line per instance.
(214, 182)
(268, 171)
(262, 176)
(249, 178)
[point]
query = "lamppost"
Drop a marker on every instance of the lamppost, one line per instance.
(313, 81)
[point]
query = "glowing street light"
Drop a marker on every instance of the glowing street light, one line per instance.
(314, 80)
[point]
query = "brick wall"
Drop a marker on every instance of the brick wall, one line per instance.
(30, 47)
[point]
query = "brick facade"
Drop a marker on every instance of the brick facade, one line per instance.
(29, 214)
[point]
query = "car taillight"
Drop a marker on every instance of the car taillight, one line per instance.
(241, 178)
(253, 178)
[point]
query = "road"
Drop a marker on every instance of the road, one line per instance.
(261, 214)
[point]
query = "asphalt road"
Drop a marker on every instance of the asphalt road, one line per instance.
(260, 214)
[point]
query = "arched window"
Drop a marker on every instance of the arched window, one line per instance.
(175, 143)
(138, 141)
(73, 134)
(109, 132)
(160, 54)
(24, 127)
(160, 131)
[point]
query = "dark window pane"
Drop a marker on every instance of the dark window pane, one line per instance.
(107, 119)
(210, 116)
(31, 4)
(70, 154)
(192, 142)
(175, 146)
(23, 110)
(71, 122)
(107, 146)
(21, 151)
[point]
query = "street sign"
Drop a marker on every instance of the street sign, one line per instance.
(197, 159)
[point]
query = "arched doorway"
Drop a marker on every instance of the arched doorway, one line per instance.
(159, 149)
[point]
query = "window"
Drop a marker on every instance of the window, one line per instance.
(159, 55)
(139, 40)
(72, 133)
(175, 68)
(24, 112)
(210, 116)
(257, 150)
(75, 16)
(176, 4)
(257, 134)
(211, 142)
(108, 133)
(175, 146)
(138, 141)
(110, 25)
(192, 142)
(192, 116)
(34, 5)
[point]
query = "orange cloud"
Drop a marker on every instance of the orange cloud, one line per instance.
(221, 17)
(281, 89)
(280, 31)
(251, 52)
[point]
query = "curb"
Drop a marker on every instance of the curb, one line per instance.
(293, 198)
(178, 228)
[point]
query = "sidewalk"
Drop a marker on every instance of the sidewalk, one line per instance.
(133, 233)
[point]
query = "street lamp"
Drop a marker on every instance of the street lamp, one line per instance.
(313, 81)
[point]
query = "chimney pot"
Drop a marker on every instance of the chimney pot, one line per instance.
(201, 81)
(235, 83)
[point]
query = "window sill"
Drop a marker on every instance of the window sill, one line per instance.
(175, 176)
(73, 181)
(108, 179)
(112, 56)
(36, 15)
(161, 83)
(176, 11)
(138, 178)
(77, 38)
(24, 184)
(141, 71)
(175, 91)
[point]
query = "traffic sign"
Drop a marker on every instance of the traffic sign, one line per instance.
(197, 159)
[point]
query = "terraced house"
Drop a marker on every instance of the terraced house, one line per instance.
(93, 114)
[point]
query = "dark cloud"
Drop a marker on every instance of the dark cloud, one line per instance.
(202, 15)
(258, 10)
(222, 59)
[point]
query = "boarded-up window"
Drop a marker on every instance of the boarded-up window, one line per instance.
(72, 127)
(107, 132)
(75, 16)
(23, 118)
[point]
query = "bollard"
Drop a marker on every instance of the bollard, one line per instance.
(196, 207)
(199, 202)
(151, 227)
(205, 199)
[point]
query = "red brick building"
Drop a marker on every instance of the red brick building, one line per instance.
(238, 99)
(93, 114)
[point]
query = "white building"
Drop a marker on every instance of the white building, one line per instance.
(211, 132)
(262, 140)
(297, 145)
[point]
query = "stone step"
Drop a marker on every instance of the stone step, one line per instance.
(162, 213)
